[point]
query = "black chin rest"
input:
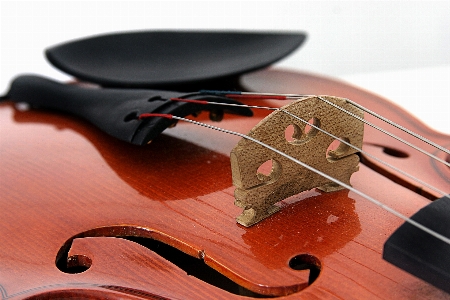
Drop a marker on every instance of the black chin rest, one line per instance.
(188, 60)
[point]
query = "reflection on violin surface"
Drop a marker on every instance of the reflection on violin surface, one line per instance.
(67, 187)
(150, 162)
(336, 216)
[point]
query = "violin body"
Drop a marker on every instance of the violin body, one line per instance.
(87, 216)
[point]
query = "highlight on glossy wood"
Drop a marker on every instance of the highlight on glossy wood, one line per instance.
(69, 190)
(256, 193)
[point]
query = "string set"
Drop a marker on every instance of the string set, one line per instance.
(269, 96)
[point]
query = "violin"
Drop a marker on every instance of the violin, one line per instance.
(88, 216)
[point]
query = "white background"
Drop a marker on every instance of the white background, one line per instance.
(400, 50)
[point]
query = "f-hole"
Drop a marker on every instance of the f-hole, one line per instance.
(191, 265)
(306, 262)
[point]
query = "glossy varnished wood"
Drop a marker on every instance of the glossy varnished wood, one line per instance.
(65, 184)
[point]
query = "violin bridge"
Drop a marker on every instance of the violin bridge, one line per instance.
(258, 190)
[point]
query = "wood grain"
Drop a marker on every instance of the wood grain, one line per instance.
(65, 186)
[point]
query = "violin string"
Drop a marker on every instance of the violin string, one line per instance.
(370, 155)
(277, 96)
(250, 95)
(437, 190)
(385, 131)
(312, 169)
(205, 102)
(404, 129)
